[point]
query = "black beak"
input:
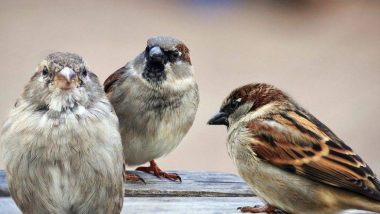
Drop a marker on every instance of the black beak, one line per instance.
(220, 118)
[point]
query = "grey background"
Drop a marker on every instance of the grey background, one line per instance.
(323, 53)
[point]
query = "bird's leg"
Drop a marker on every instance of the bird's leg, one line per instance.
(155, 170)
(127, 176)
(260, 209)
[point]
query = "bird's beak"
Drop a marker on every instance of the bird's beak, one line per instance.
(220, 118)
(156, 54)
(66, 79)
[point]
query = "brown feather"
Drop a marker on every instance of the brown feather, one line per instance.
(301, 144)
(112, 80)
(185, 52)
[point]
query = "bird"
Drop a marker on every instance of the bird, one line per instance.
(61, 143)
(155, 97)
(289, 158)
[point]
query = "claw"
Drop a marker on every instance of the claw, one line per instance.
(179, 178)
(142, 180)
(130, 177)
(171, 176)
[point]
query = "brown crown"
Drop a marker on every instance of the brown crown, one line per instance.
(259, 93)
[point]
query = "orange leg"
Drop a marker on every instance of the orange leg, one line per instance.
(260, 209)
(155, 170)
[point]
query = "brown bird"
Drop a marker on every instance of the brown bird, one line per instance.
(290, 159)
(155, 97)
(61, 144)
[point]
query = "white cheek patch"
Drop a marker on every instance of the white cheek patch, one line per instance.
(259, 112)
(241, 111)
(236, 120)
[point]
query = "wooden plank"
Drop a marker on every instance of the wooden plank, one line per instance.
(199, 192)
(201, 205)
(194, 184)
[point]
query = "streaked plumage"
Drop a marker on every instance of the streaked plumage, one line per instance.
(292, 160)
(61, 144)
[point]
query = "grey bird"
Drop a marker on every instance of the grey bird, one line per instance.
(155, 97)
(61, 144)
(290, 159)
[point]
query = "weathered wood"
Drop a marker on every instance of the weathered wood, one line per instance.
(199, 192)
(194, 184)
(201, 205)
(166, 205)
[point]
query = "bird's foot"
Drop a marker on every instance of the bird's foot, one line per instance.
(260, 209)
(130, 177)
(155, 170)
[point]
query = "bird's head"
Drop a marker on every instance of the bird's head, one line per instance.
(62, 81)
(246, 99)
(165, 59)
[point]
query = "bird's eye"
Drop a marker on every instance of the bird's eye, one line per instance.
(45, 71)
(175, 54)
(172, 55)
(84, 72)
(235, 104)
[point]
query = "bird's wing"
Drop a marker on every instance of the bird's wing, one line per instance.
(297, 142)
(113, 80)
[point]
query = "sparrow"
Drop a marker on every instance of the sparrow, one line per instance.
(61, 144)
(155, 97)
(289, 158)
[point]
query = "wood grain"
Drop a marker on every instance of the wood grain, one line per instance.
(194, 184)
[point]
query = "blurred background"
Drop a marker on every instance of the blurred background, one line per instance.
(326, 54)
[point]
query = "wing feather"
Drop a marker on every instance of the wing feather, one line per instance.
(113, 80)
(298, 143)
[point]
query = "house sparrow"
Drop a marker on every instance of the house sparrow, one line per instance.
(290, 159)
(155, 97)
(61, 144)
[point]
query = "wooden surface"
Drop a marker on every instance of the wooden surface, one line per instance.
(194, 184)
(199, 192)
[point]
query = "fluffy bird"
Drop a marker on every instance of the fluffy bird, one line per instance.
(290, 159)
(155, 97)
(61, 143)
